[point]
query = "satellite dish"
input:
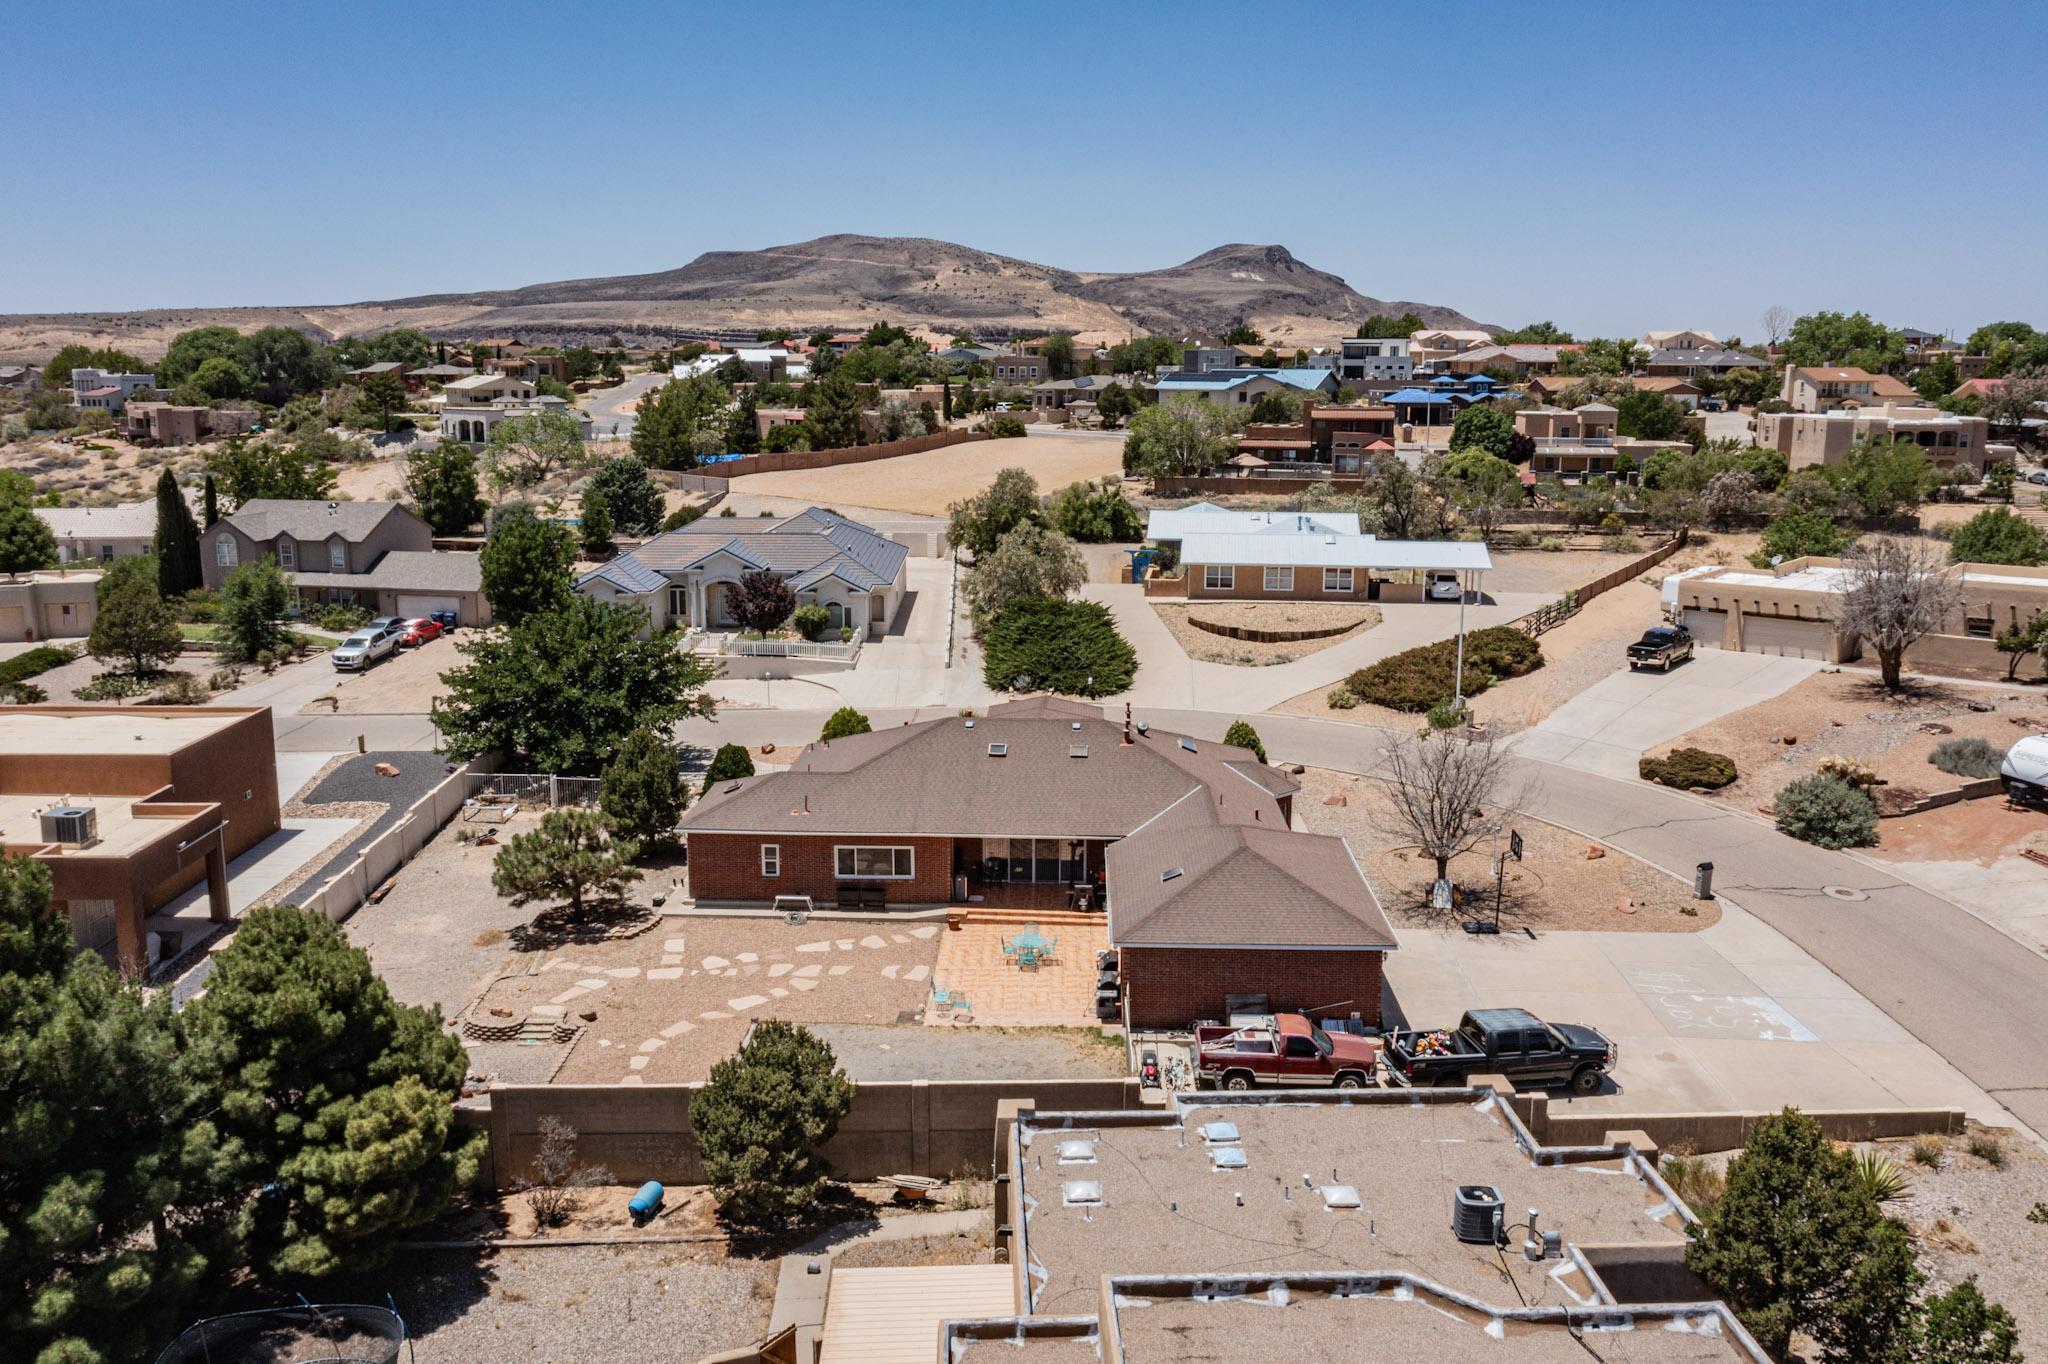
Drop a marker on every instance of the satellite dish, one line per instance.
(1777, 559)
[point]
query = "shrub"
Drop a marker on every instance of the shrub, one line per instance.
(1686, 768)
(1418, 678)
(40, 659)
(1242, 735)
(1340, 698)
(1444, 715)
(683, 516)
(1004, 427)
(731, 761)
(224, 679)
(1694, 1180)
(1966, 757)
(1624, 542)
(1071, 647)
(1988, 1149)
(113, 687)
(341, 619)
(1522, 539)
(761, 1119)
(1827, 811)
(1879, 1177)
(22, 694)
(1550, 544)
(1928, 1151)
(844, 722)
(811, 620)
(179, 689)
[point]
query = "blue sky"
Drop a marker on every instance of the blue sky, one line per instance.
(1613, 168)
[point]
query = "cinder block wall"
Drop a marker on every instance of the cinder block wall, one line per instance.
(940, 1127)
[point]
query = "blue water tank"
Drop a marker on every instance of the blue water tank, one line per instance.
(647, 1202)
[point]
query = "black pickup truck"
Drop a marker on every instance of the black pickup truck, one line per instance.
(1661, 646)
(1510, 1042)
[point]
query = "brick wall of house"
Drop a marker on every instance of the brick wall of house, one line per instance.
(727, 867)
(1170, 987)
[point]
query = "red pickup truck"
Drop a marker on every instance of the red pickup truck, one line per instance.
(1283, 1049)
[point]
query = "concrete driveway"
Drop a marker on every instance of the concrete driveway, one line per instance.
(1608, 726)
(1734, 1017)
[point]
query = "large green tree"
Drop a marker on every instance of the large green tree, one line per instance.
(644, 792)
(1482, 426)
(762, 1118)
(1997, 536)
(1188, 435)
(525, 567)
(253, 602)
(729, 762)
(191, 349)
(25, 540)
(1884, 477)
(442, 483)
(524, 451)
(634, 499)
(283, 363)
(245, 470)
(674, 424)
(978, 522)
(559, 691)
(177, 540)
(339, 1098)
(1030, 561)
(57, 374)
(131, 624)
(832, 411)
(1649, 416)
(569, 856)
(106, 1151)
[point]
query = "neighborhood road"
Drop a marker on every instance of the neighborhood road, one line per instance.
(609, 407)
(1961, 987)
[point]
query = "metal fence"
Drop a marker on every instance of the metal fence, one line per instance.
(534, 788)
(326, 1334)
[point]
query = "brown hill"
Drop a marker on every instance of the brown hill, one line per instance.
(837, 282)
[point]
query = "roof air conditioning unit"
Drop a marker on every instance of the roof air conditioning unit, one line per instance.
(1477, 1214)
(74, 826)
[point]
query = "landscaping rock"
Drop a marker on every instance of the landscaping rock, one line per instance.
(386, 770)
(1336, 800)
(1594, 852)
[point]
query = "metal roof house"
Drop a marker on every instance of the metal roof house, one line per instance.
(1309, 561)
(685, 578)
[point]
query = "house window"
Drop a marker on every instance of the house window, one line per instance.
(1044, 861)
(1279, 580)
(771, 859)
(880, 864)
(337, 557)
(1218, 577)
(1337, 580)
(287, 553)
(1977, 627)
(679, 603)
(106, 554)
(224, 555)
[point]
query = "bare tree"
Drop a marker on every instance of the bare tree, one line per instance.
(1451, 791)
(555, 1191)
(1777, 322)
(1898, 592)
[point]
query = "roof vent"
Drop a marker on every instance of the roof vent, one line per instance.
(998, 750)
(731, 787)
(1075, 725)
(1219, 1131)
(1144, 728)
(1081, 1193)
(1077, 750)
(1077, 1153)
(1170, 873)
(1188, 744)
(1227, 1158)
(970, 724)
(1476, 1214)
(1337, 1196)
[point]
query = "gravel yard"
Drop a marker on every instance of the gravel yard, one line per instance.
(1554, 887)
(62, 682)
(1848, 714)
(674, 1001)
(1349, 621)
(929, 482)
(916, 1052)
(574, 1305)
(357, 786)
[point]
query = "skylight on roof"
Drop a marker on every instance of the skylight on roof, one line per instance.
(1188, 744)
(998, 750)
(1077, 1152)
(1228, 1158)
(1077, 750)
(1171, 872)
(1081, 1193)
(1340, 1196)
(1219, 1131)
(732, 787)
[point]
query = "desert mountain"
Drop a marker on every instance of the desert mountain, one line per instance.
(837, 282)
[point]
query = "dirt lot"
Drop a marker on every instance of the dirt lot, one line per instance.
(929, 482)
(1554, 887)
(676, 1000)
(1214, 648)
(1849, 714)
(406, 683)
(93, 471)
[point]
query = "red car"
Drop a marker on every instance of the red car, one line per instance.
(418, 632)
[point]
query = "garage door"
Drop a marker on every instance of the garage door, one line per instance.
(13, 620)
(1785, 638)
(411, 606)
(1706, 627)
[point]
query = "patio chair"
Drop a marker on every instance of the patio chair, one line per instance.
(943, 999)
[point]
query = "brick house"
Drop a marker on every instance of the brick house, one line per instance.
(1186, 842)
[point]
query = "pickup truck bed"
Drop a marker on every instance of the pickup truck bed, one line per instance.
(1510, 1042)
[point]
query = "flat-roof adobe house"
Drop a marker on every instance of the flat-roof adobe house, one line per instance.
(1950, 439)
(1209, 891)
(683, 578)
(129, 806)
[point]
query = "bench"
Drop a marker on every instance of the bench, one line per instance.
(862, 897)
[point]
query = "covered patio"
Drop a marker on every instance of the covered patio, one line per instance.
(1029, 873)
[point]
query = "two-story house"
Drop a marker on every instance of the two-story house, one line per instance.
(1685, 338)
(1374, 357)
(377, 555)
(471, 406)
(1824, 388)
(1011, 367)
(103, 391)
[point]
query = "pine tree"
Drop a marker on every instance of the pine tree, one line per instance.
(567, 857)
(644, 793)
(104, 1153)
(743, 432)
(946, 397)
(211, 506)
(177, 541)
(596, 525)
(131, 624)
(762, 1117)
(339, 1099)
(729, 763)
